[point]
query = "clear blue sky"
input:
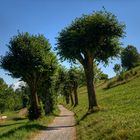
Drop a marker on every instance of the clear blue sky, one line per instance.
(48, 17)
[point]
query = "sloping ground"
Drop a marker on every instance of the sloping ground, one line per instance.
(62, 128)
(119, 117)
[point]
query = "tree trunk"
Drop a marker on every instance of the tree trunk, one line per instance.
(67, 98)
(75, 94)
(35, 105)
(88, 67)
(47, 103)
(71, 98)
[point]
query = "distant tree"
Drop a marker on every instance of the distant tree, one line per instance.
(23, 90)
(9, 99)
(130, 57)
(103, 76)
(91, 38)
(47, 88)
(29, 59)
(62, 85)
(117, 69)
(73, 79)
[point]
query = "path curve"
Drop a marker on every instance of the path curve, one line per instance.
(62, 128)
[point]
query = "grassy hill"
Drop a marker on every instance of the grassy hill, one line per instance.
(119, 115)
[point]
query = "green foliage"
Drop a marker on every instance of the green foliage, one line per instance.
(117, 69)
(60, 79)
(47, 88)
(96, 34)
(29, 58)
(98, 75)
(81, 76)
(130, 57)
(73, 74)
(124, 77)
(9, 99)
(103, 76)
(24, 91)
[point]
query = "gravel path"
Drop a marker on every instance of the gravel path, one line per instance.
(62, 127)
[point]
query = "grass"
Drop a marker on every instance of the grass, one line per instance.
(119, 115)
(15, 128)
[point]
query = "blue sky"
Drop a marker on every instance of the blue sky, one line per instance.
(48, 17)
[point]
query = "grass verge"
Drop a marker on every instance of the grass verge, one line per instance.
(119, 115)
(15, 128)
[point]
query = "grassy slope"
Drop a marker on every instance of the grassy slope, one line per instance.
(119, 118)
(22, 129)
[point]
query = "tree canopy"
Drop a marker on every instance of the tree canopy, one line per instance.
(130, 57)
(96, 35)
(29, 58)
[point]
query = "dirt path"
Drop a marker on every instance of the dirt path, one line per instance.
(62, 127)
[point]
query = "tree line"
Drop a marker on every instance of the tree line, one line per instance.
(88, 40)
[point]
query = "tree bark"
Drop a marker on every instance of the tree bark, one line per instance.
(75, 94)
(35, 104)
(71, 98)
(67, 98)
(47, 103)
(88, 67)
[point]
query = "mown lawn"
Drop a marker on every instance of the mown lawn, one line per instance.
(119, 115)
(15, 128)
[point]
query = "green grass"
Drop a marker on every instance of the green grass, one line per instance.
(15, 128)
(119, 115)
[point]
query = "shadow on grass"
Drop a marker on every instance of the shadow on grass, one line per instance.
(90, 112)
(18, 119)
(82, 118)
(4, 125)
(115, 85)
(27, 127)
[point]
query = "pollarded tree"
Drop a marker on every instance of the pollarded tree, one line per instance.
(29, 59)
(130, 57)
(88, 39)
